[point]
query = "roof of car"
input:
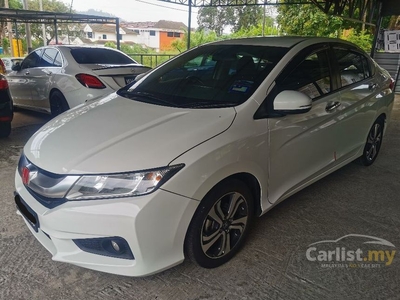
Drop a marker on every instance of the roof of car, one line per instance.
(274, 41)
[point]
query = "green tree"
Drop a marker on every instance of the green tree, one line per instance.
(197, 38)
(53, 6)
(257, 30)
(214, 18)
(236, 17)
(362, 39)
(307, 20)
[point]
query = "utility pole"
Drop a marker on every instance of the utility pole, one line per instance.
(43, 25)
(27, 29)
(9, 29)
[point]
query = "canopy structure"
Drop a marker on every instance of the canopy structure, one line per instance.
(45, 17)
(365, 11)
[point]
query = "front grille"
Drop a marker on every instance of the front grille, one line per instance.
(47, 188)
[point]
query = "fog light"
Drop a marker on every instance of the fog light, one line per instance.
(115, 245)
(108, 246)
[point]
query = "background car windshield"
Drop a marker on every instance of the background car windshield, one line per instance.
(209, 76)
(100, 56)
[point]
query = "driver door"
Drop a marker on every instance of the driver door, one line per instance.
(303, 146)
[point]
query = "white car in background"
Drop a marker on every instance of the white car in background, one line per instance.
(178, 163)
(55, 78)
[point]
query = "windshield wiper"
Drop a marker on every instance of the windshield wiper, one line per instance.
(145, 97)
(206, 104)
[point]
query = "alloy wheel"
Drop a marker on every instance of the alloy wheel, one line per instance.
(373, 142)
(224, 225)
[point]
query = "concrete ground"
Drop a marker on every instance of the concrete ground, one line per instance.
(272, 265)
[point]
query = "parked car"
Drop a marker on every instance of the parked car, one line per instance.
(10, 62)
(178, 166)
(55, 78)
(6, 108)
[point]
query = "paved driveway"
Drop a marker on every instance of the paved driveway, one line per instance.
(272, 265)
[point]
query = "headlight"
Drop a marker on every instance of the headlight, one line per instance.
(120, 185)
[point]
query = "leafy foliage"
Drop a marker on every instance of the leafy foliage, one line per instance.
(362, 39)
(307, 20)
(48, 5)
(197, 38)
(236, 17)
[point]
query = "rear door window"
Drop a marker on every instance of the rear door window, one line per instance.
(353, 66)
(48, 58)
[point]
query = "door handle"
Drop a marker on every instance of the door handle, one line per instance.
(49, 73)
(332, 105)
(27, 73)
(372, 86)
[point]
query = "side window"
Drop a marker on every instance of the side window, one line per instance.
(58, 60)
(48, 57)
(311, 77)
(353, 66)
(32, 60)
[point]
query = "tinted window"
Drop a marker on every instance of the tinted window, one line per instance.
(209, 76)
(353, 66)
(100, 56)
(177, 34)
(311, 77)
(32, 60)
(152, 32)
(58, 60)
(170, 34)
(48, 57)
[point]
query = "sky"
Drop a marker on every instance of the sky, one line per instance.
(138, 10)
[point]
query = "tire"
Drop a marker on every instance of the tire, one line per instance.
(373, 143)
(216, 233)
(58, 104)
(5, 129)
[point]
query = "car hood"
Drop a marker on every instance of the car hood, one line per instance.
(116, 134)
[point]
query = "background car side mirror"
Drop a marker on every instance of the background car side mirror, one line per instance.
(16, 67)
(292, 102)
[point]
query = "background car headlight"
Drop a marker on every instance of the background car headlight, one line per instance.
(120, 185)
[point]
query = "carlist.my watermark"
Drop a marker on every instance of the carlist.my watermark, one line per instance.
(370, 252)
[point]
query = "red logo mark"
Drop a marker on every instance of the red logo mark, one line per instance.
(25, 175)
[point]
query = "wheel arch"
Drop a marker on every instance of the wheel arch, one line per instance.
(254, 186)
(54, 89)
(252, 183)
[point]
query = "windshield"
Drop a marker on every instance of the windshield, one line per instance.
(208, 76)
(100, 56)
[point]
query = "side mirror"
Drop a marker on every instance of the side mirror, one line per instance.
(16, 67)
(292, 102)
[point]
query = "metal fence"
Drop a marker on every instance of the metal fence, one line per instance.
(151, 60)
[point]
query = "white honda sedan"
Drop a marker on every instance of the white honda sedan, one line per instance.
(178, 163)
(53, 79)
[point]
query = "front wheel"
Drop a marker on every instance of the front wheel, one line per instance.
(58, 103)
(373, 144)
(220, 224)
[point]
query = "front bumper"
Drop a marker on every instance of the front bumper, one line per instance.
(154, 227)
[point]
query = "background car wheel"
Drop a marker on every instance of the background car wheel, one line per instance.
(5, 129)
(58, 104)
(373, 144)
(220, 224)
